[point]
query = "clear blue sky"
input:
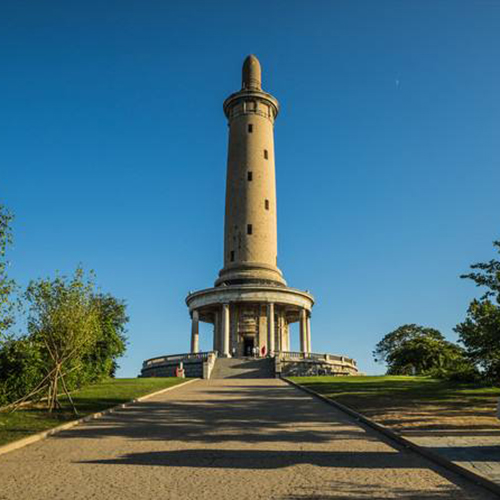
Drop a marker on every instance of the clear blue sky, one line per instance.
(113, 150)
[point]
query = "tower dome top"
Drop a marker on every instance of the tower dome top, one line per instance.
(251, 73)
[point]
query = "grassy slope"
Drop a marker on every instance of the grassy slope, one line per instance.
(413, 403)
(91, 399)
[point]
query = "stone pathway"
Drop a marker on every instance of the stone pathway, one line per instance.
(225, 439)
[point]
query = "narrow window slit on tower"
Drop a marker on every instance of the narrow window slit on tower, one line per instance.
(250, 128)
(266, 155)
(232, 255)
(249, 228)
(266, 204)
(249, 176)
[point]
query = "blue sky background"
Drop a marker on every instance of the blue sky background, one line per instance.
(113, 150)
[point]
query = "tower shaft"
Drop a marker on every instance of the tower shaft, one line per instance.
(250, 228)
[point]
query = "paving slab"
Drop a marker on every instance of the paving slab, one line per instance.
(477, 452)
(225, 439)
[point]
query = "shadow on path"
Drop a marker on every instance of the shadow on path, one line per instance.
(341, 490)
(250, 414)
(263, 459)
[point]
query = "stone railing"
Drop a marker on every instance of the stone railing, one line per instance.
(290, 355)
(172, 358)
(310, 364)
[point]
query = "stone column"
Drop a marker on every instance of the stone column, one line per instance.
(286, 337)
(279, 338)
(216, 346)
(270, 328)
(225, 330)
(309, 348)
(286, 333)
(303, 331)
(283, 341)
(195, 342)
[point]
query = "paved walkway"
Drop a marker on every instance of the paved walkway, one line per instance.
(224, 439)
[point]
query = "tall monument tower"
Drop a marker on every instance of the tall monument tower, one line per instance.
(250, 305)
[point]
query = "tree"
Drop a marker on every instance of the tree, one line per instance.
(488, 276)
(416, 350)
(21, 368)
(75, 337)
(425, 356)
(111, 341)
(393, 340)
(480, 331)
(64, 320)
(480, 334)
(7, 285)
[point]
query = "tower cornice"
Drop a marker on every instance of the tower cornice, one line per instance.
(251, 95)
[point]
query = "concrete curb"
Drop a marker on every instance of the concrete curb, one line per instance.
(21, 443)
(476, 478)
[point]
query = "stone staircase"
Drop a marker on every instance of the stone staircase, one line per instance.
(243, 368)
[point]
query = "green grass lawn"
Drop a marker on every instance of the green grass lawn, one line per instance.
(91, 399)
(410, 403)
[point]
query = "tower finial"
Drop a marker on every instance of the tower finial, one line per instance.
(251, 73)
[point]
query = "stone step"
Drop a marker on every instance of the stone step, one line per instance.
(243, 368)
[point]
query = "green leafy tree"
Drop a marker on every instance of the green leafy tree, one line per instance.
(21, 368)
(425, 356)
(414, 349)
(395, 339)
(111, 342)
(480, 331)
(64, 320)
(75, 338)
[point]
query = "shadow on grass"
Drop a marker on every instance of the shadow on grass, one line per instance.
(415, 403)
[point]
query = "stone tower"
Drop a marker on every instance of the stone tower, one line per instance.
(250, 305)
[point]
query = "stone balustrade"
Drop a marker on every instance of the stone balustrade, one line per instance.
(317, 356)
(286, 363)
(198, 365)
(309, 364)
(176, 358)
